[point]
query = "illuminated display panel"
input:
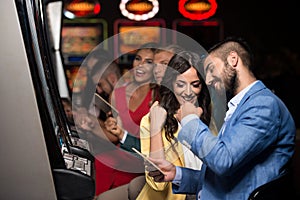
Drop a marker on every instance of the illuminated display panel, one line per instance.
(205, 32)
(73, 73)
(131, 35)
(134, 38)
(80, 40)
(80, 37)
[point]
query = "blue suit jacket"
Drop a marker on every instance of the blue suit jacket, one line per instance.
(255, 147)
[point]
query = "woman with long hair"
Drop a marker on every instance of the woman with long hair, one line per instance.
(159, 128)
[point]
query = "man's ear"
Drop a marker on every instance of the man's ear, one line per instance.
(233, 58)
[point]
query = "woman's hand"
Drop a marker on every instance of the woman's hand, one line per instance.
(111, 125)
(158, 117)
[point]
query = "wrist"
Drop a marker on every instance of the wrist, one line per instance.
(122, 140)
(121, 135)
(155, 130)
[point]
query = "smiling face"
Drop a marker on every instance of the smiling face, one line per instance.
(143, 66)
(187, 86)
(220, 75)
(213, 68)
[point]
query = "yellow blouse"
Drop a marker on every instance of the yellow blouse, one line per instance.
(173, 153)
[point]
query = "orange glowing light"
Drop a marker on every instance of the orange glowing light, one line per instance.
(139, 7)
(197, 9)
(139, 10)
(82, 8)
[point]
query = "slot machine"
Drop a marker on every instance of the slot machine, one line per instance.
(130, 35)
(82, 31)
(70, 160)
(78, 38)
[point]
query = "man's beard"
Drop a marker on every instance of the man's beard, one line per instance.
(230, 81)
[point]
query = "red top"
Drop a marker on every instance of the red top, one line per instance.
(109, 173)
(131, 119)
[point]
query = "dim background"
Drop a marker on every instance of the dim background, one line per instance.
(269, 26)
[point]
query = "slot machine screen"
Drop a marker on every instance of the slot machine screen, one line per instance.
(76, 78)
(206, 33)
(80, 37)
(131, 35)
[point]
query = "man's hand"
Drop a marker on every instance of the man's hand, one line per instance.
(188, 108)
(168, 168)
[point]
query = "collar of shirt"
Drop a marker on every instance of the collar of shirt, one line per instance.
(234, 102)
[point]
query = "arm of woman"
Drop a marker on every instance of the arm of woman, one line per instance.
(149, 146)
(158, 117)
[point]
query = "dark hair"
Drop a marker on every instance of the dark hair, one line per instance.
(179, 64)
(152, 46)
(237, 44)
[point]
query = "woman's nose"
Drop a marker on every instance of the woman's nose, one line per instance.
(188, 90)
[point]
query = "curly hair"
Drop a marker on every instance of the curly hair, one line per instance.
(179, 64)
